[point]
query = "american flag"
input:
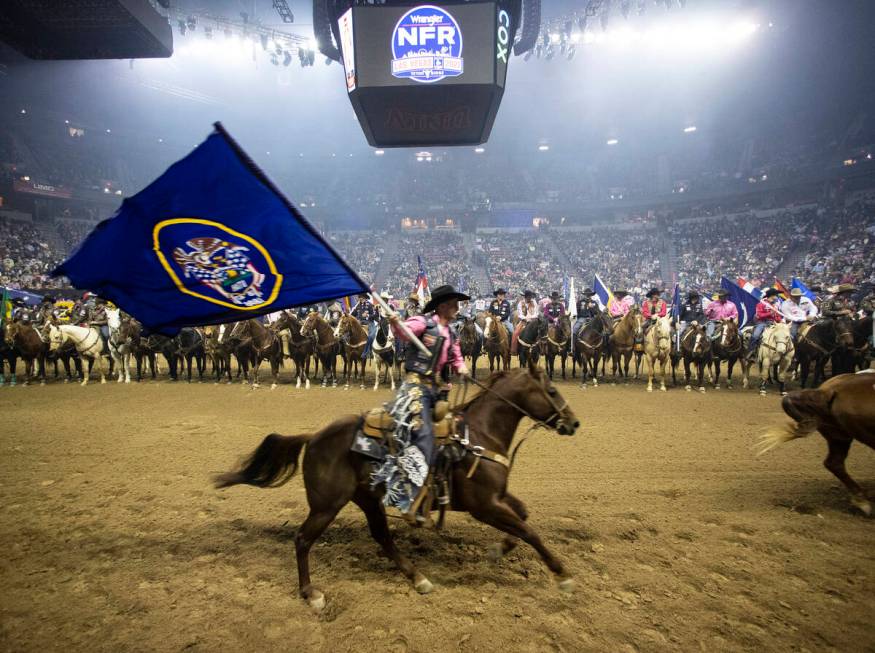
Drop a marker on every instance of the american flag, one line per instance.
(421, 285)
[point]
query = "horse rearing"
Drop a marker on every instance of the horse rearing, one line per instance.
(333, 476)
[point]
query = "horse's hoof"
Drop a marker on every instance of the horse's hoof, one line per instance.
(649, 388)
(127, 380)
(566, 585)
(273, 386)
(762, 393)
(494, 552)
(688, 388)
(784, 393)
(423, 586)
(862, 505)
(716, 387)
(662, 388)
(316, 601)
(307, 386)
(102, 381)
(43, 383)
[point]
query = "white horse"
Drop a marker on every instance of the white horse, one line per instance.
(776, 350)
(657, 348)
(119, 345)
(86, 340)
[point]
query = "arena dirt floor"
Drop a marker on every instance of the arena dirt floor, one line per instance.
(678, 536)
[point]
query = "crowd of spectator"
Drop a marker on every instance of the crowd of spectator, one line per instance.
(444, 259)
(25, 260)
(523, 260)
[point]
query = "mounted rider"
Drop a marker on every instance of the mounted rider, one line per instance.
(555, 309)
(526, 311)
(406, 473)
(500, 309)
(366, 313)
(622, 304)
(691, 314)
(768, 312)
(841, 303)
(718, 310)
(587, 309)
(412, 307)
(654, 307)
(798, 310)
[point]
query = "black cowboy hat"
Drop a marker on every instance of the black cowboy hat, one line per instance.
(554, 295)
(589, 292)
(48, 299)
(652, 292)
(771, 292)
(693, 293)
(816, 288)
(722, 292)
(528, 294)
(443, 294)
(500, 291)
(621, 293)
(363, 295)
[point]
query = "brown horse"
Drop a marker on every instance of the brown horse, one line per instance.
(26, 343)
(557, 343)
(327, 346)
(217, 350)
(695, 350)
(470, 342)
(818, 342)
(255, 343)
(333, 476)
(628, 331)
(842, 410)
(589, 347)
(355, 339)
(301, 347)
(727, 346)
(496, 342)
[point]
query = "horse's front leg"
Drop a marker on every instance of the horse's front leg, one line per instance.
(500, 515)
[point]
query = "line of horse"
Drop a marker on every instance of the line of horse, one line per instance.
(312, 343)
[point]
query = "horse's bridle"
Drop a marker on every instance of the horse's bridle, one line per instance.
(555, 416)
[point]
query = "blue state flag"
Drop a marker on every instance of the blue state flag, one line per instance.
(745, 302)
(676, 301)
(603, 294)
(210, 241)
(796, 283)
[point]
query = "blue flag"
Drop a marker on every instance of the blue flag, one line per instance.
(676, 301)
(603, 294)
(745, 302)
(796, 283)
(210, 241)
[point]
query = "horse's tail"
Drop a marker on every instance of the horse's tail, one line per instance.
(806, 408)
(272, 464)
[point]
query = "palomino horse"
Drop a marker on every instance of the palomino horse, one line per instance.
(383, 353)
(496, 342)
(87, 341)
(333, 476)
(628, 331)
(255, 343)
(121, 336)
(355, 339)
(327, 346)
(695, 350)
(26, 343)
(727, 346)
(529, 340)
(301, 347)
(775, 355)
(657, 349)
(843, 410)
(470, 342)
(556, 343)
(816, 343)
(589, 346)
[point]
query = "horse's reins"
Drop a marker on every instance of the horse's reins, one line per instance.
(538, 423)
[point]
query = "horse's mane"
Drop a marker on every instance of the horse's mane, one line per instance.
(494, 378)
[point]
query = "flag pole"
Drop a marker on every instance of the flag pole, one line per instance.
(400, 323)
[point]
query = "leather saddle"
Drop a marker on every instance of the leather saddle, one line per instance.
(379, 424)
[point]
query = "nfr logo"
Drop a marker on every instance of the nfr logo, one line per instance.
(427, 45)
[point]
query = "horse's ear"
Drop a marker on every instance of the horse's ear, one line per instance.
(533, 367)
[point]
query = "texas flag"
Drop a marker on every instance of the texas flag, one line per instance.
(749, 287)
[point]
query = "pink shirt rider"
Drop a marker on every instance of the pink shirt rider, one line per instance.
(619, 307)
(721, 310)
(451, 355)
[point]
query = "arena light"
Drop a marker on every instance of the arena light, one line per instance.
(612, 141)
(479, 150)
(690, 129)
(379, 152)
(543, 148)
(23, 111)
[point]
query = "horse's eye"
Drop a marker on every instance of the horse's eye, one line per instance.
(551, 392)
